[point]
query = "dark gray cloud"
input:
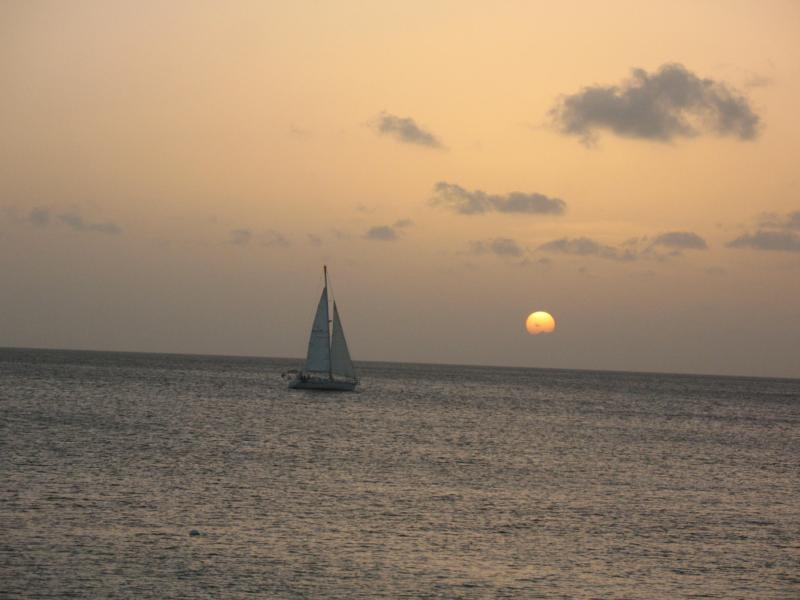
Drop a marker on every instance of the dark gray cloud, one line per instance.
(785, 241)
(504, 247)
(672, 102)
(466, 202)
(683, 240)
(583, 246)
(406, 130)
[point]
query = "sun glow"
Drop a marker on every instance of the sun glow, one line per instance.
(540, 322)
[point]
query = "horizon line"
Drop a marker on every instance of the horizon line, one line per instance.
(430, 364)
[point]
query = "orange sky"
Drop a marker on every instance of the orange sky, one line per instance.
(173, 177)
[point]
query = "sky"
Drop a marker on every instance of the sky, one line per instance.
(173, 176)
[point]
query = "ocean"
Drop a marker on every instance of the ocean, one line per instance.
(167, 476)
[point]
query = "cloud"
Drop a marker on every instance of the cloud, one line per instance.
(637, 248)
(786, 241)
(406, 130)
(793, 220)
(240, 237)
(758, 81)
(669, 103)
(43, 217)
(775, 233)
(504, 247)
(583, 246)
(39, 217)
(388, 233)
(77, 223)
(299, 132)
(383, 233)
(466, 202)
(774, 221)
(684, 240)
(272, 238)
(268, 238)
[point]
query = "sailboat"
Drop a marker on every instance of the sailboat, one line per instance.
(328, 364)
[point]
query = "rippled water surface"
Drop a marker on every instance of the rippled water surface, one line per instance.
(142, 475)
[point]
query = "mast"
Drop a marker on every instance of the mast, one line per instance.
(330, 367)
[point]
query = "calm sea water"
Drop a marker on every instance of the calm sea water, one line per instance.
(432, 481)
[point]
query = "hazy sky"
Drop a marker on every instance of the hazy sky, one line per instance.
(174, 175)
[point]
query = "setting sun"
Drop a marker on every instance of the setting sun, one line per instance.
(540, 322)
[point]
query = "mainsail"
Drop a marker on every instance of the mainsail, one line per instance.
(340, 356)
(319, 352)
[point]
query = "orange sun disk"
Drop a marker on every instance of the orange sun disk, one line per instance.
(540, 322)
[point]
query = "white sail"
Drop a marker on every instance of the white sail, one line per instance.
(340, 356)
(319, 350)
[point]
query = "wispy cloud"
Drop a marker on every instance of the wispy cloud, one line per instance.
(504, 247)
(384, 233)
(39, 217)
(78, 223)
(630, 250)
(272, 238)
(584, 246)
(268, 238)
(240, 237)
(387, 233)
(775, 233)
(466, 202)
(685, 240)
(786, 241)
(406, 130)
(43, 217)
(299, 132)
(758, 81)
(669, 103)
(777, 221)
